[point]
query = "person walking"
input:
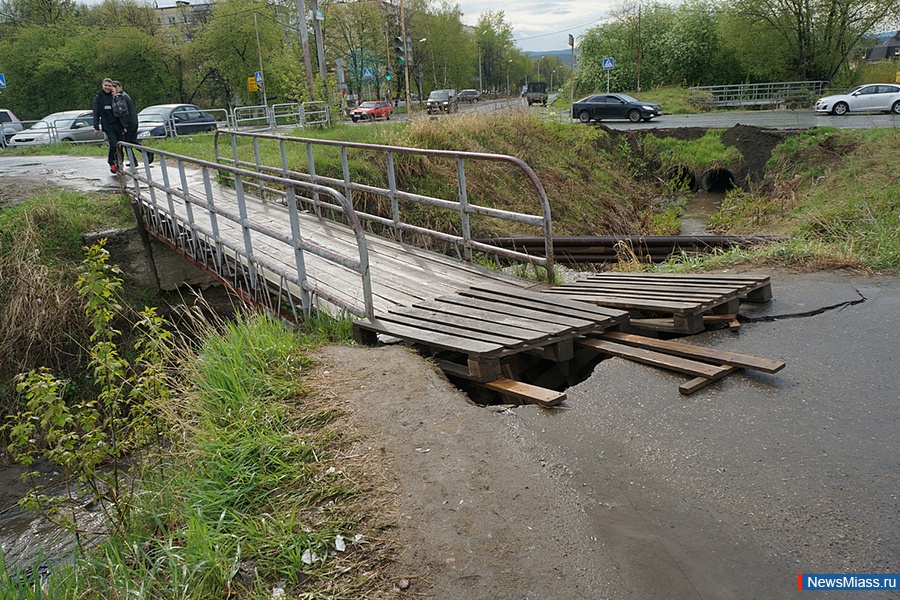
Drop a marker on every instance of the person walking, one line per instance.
(105, 121)
(126, 118)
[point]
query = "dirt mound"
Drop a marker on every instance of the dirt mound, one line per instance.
(756, 146)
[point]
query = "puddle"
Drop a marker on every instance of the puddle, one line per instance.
(698, 210)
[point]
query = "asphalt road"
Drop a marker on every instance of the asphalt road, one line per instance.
(731, 492)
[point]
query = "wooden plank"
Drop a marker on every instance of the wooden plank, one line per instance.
(618, 286)
(437, 340)
(650, 357)
(748, 361)
(542, 298)
(701, 382)
(571, 309)
(635, 303)
(464, 320)
(450, 330)
(569, 322)
(541, 327)
(524, 391)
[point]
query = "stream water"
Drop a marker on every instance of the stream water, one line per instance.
(698, 210)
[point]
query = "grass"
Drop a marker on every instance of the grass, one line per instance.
(249, 493)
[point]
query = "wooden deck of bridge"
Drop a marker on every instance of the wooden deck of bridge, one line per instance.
(481, 324)
(669, 302)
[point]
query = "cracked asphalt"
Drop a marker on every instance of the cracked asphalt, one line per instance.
(734, 490)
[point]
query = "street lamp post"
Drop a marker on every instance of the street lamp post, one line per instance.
(551, 79)
(508, 63)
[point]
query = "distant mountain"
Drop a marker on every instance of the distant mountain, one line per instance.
(564, 55)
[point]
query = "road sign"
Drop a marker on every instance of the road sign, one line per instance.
(258, 76)
(609, 63)
(252, 85)
(368, 74)
(2, 81)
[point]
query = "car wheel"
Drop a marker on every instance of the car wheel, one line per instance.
(896, 108)
(387, 117)
(584, 116)
(355, 119)
(634, 115)
(840, 108)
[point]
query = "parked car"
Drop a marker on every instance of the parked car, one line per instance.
(870, 97)
(614, 106)
(372, 110)
(9, 123)
(67, 126)
(469, 96)
(164, 120)
(442, 101)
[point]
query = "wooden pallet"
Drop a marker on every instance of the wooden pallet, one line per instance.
(476, 333)
(705, 364)
(684, 299)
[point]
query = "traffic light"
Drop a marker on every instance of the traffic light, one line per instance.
(400, 49)
(388, 73)
(403, 49)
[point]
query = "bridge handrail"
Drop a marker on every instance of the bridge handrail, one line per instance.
(462, 206)
(757, 93)
(144, 176)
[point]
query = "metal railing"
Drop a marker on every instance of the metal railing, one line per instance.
(180, 210)
(758, 94)
(462, 205)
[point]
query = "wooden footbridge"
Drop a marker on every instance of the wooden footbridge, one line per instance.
(308, 234)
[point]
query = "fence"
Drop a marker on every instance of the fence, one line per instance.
(452, 213)
(781, 93)
(266, 262)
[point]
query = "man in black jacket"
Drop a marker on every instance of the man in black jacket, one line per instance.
(105, 121)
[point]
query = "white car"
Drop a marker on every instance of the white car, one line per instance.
(870, 97)
(70, 126)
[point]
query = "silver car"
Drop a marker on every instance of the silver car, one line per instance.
(871, 97)
(69, 126)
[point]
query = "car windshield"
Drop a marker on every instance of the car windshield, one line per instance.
(367, 105)
(151, 115)
(438, 96)
(45, 123)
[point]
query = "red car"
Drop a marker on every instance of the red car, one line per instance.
(372, 110)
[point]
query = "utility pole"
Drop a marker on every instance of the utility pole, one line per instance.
(405, 62)
(304, 39)
(262, 84)
(639, 49)
(572, 44)
(320, 46)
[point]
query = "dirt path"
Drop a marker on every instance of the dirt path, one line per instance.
(479, 507)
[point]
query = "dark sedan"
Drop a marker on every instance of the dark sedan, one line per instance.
(614, 106)
(173, 119)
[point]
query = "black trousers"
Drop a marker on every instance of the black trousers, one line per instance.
(113, 137)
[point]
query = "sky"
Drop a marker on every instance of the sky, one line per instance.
(540, 26)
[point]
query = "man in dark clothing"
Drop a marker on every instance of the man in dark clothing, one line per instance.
(126, 117)
(105, 121)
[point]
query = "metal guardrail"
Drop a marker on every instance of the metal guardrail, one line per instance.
(757, 94)
(462, 205)
(190, 220)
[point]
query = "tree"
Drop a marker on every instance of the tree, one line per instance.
(229, 44)
(818, 35)
(494, 40)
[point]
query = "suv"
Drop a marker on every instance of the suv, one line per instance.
(442, 101)
(537, 93)
(9, 124)
(469, 96)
